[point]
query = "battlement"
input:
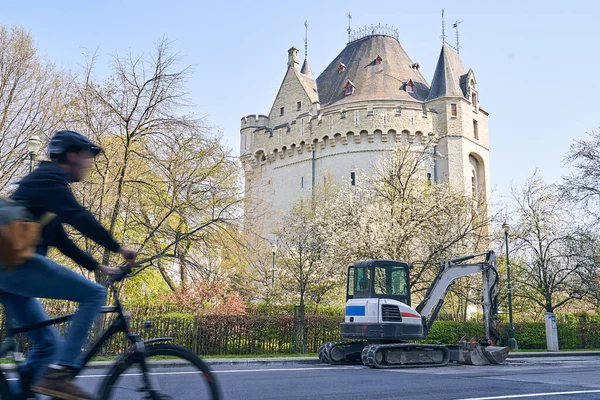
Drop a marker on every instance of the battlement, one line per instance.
(255, 121)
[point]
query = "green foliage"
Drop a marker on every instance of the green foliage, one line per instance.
(450, 332)
(179, 316)
(288, 309)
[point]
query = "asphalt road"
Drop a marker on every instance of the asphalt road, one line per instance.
(575, 377)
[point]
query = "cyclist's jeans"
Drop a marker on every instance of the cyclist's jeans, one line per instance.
(41, 277)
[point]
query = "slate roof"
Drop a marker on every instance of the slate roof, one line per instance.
(306, 70)
(448, 75)
(309, 85)
(372, 81)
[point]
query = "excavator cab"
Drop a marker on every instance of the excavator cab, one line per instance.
(379, 279)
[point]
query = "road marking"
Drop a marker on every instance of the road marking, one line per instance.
(518, 396)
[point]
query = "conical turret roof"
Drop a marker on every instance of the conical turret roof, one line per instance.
(447, 76)
(306, 70)
(373, 79)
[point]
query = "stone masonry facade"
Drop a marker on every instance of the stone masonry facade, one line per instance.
(305, 140)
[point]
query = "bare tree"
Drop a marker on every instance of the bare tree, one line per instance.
(398, 214)
(164, 183)
(32, 100)
(583, 185)
(303, 268)
(546, 240)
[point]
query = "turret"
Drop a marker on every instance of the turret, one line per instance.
(293, 58)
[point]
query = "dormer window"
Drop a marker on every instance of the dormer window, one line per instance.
(349, 88)
(378, 60)
(341, 67)
(409, 86)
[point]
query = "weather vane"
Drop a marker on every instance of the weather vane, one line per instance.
(455, 26)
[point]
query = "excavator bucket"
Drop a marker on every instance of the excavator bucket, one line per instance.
(474, 353)
(495, 354)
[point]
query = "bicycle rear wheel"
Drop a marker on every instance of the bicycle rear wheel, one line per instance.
(175, 372)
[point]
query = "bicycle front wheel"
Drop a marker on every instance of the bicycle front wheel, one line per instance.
(4, 390)
(174, 372)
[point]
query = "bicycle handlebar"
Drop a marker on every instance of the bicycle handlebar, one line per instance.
(125, 273)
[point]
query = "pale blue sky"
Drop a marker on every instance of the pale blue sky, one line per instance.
(536, 62)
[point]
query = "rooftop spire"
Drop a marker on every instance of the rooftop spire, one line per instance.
(443, 28)
(305, 39)
(349, 28)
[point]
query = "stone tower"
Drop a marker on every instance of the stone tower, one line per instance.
(371, 96)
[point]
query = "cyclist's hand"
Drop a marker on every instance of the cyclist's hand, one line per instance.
(129, 255)
(110, 271)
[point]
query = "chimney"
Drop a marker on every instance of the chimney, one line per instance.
(293, 57)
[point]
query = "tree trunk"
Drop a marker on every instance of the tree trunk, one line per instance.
(117, 207)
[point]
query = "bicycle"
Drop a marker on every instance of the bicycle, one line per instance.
(117, 382)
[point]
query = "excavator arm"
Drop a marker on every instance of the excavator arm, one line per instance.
(449, 272)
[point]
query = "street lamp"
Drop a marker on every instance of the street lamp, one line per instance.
(512, 342)
(274, 250)
(33, 145)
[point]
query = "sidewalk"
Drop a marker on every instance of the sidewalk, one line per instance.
(305, 360)
(581, 353)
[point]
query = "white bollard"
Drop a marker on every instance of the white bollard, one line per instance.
(551, 332)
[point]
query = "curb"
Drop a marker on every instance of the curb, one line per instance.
(244, 362)
(96, 365)
(554, 354)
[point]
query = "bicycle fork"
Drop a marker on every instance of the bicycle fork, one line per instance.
(149, 386)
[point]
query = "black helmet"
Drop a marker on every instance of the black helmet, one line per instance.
(70, 141)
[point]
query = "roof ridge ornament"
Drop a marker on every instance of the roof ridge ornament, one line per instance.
(373, 30)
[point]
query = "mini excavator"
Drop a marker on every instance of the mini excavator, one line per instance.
(380, 321)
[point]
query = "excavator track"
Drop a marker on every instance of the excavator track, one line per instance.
(341, 353)
(405, 355)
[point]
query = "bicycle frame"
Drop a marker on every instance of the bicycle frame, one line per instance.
(119, 324)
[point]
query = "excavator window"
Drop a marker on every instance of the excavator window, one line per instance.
(391, 281)
(363, 279)
(350, 293)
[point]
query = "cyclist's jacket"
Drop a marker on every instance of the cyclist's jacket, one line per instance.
(47, 189)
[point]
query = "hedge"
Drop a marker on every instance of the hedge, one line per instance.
(280, 333)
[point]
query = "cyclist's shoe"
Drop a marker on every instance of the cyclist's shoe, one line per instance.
(57, 382)
(21, 388)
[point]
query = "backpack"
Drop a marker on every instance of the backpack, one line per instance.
(19, 233)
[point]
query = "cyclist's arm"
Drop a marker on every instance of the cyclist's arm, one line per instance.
(66, 246)
(59, 199)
